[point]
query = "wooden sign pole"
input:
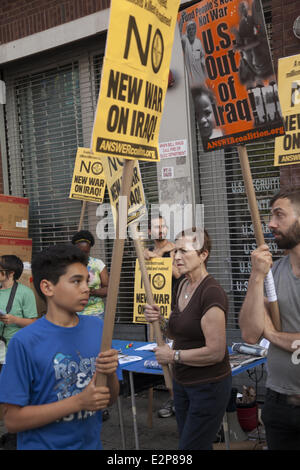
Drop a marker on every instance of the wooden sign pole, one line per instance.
(81, 215)
(150, 300)
(116, 265)
(248, 182)
(151, 339)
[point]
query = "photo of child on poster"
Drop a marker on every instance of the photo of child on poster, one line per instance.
(236, 101)
(204, 100)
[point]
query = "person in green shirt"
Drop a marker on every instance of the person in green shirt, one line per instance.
(23, 310)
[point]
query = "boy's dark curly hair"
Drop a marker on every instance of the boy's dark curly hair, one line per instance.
(53, 262)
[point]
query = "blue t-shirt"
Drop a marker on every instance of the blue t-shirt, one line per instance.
(46, 363)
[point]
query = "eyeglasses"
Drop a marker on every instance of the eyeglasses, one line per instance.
(2, 271)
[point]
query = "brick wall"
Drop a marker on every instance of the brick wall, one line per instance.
(20, 18)
(284, 13)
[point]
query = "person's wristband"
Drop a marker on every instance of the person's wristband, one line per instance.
(176, 357)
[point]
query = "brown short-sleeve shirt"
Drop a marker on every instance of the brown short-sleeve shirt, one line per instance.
(185, 327)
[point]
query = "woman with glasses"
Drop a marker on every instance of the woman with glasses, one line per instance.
(199, 356)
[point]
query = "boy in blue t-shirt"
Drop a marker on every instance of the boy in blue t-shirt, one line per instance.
(48, 385)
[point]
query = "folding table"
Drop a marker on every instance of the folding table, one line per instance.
(129, 348)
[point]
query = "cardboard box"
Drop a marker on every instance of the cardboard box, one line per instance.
(26, 279)
(14, 216)
(17, 246)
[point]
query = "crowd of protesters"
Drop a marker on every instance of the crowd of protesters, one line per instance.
(48, 387)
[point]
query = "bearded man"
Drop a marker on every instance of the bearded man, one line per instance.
(281, 411)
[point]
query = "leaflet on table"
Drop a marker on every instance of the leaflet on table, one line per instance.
(124, 359)
(151, 346)
(147, 347)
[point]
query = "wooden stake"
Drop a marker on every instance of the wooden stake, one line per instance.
(259, 236)
(150, 301)
(116, 265)
(82, 215)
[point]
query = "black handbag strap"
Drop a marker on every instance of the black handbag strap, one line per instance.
(9, 307)
(11, 297)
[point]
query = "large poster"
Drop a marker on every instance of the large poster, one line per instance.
(88, 182)
(160, 277)
(113, 169)
(134, 79)
(230, 72)
(287, 148)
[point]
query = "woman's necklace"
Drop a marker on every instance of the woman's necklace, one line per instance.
(186, 295)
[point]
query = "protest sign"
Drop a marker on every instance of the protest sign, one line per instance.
(88, 182)
(287, 147)
(134, 79)
(230, 72)
(130, 104)
(232, 82)
(160, 276)
(113, 169)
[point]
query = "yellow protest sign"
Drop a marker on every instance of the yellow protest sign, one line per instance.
(287, 147)
(160, 277)
(113, 168)
(134, 78)
(88, 182)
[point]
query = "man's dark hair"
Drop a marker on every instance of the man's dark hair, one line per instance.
(292, 194)
(153, 216)
(53, 262)
(11, 263)
(83, 236)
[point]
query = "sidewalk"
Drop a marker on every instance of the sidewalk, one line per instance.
(162, 435)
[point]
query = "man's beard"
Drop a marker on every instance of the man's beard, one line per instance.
(289, 240)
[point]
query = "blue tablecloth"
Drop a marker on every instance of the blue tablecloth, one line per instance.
(138, 366)
(151, 375)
